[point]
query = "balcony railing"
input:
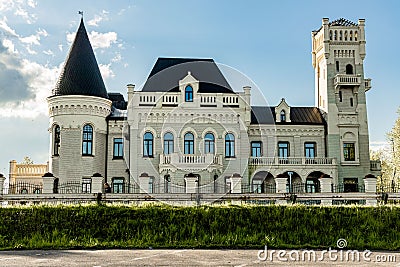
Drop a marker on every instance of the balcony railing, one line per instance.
(191, 162)
(367, 83)
(266, 161)
(375, 165)
(347, 79)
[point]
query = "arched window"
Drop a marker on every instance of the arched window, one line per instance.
(330, 35)
(340, 36)
(209, 143)
(189, 94)
(229, 145)
(168, 143)
(148, 145)
(351, 36)
(349, 69)
(56, 140)
(355, 36)
(189, 143)
(87, 140)
(283, 116)
(335, 36)
(345, 35)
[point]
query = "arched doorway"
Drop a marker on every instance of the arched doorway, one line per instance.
(263, 182)
(349, 69)
(294, 183)
(312, 182)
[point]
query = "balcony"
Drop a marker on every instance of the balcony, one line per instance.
(268, 161)
(347, 80)
(190, 163)
(367, 84)
(375, 165)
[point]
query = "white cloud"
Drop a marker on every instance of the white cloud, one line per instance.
(41, 80)
(102, 40)
(6, 28)
(97, 39)
(20, 8)
(48, 52)
(98, 18)
(106, 71)
(117, 57)
(31, 39)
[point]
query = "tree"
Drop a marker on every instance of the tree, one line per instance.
(27, 161)
(390, 159)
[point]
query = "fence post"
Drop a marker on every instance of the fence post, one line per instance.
(48, 183)
(97, 183)
(191, 184)
(370, 187)
(144, 180)
(236, 183)
(281, 188)
(2, 180)
(325, 183)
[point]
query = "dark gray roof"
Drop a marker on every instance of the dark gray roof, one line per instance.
(118, 100)
(298, 115)
(342, 22)
(81, 74)
(166, 73)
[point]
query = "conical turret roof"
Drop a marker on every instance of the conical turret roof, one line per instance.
(81, 74)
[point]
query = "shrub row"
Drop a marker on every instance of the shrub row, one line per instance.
(104, 226)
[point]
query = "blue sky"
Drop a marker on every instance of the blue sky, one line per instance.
(269, 41)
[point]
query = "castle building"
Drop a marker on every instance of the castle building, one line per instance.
(187, 130)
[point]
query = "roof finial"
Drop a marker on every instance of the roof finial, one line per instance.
(80, 13)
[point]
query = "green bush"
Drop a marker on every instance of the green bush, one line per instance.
(103, 226)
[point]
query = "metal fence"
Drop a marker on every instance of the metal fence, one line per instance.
(24, 188)
(342, 188)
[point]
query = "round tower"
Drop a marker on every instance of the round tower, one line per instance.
(78, 109)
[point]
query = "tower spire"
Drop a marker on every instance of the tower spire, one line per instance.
(81, 74)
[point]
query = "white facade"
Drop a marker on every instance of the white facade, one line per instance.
(187, 131)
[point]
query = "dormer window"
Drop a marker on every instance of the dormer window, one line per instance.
(188, 94)
(283, 116)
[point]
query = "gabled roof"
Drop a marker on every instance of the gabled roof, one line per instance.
(342, 22)
(81, 74)
(166, 73)
(298, 115)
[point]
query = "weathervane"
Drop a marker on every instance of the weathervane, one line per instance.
(80, 13)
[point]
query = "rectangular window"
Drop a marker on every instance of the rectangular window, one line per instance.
(337, 66)
(86, 185)
(118, 185)
(283, 149)
(340, 96)
(349, 152)
(151, 185)
(118, 148)
(351, 102)
(256, 149)
(310, 150)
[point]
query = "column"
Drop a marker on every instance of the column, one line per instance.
(48, 183)
(97, 183)
(370, 187)
(281, 188)
(2, 180)
(191, 184)
(236, 183)
(144, 179)
(325, 183)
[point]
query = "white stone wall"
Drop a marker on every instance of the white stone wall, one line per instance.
(71, 113)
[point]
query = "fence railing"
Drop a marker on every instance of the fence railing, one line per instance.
(24, 188)
(265, 161)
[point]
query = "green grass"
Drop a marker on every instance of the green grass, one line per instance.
(159, 226)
